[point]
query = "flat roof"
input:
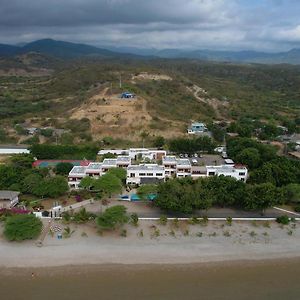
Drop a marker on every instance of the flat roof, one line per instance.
(8, 195)
(146, 167)
(94, 166)
(109, 162)
(123, 159)
(169, 159)
(78, 170)
(183, 162)
(227, 168)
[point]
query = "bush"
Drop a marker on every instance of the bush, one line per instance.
(22, 227)
(163, 220)
(63, 168)
(297, 208)
(284, 220)
(113, 217)
(134, 219)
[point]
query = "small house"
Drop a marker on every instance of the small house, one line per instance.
(9, 199)
(197, 128)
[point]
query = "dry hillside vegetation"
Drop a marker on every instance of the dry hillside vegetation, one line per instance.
(220, 107)
(147, 76)
(112, 116)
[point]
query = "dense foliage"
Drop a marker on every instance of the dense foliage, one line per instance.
(193, 145)
(186, 195)
(22, 227)
(107, 184)
(63, 152)
(113, 217)
(19, 175)
(63, 168)
(265, 165)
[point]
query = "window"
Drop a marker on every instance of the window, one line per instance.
(149, 174)
(159, 174)
(211, 173)
(242, 174)
(132, 175)
(142, 174)
(243, 179)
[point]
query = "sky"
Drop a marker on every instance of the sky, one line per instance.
(262, 25)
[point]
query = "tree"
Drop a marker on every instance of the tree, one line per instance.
(31, 183)
(23, 161)
(262, 196)
(47, 132)
(176, 195)
(108, 184)
(249, 157)
(119, 173)
(293, 192)
(63, 168)
(159, 142)
(56, 186)
(112, 218)
(9, 176)
(22, 227)
(87, 183)
(280, 171)
(144, 190)
(144, 135)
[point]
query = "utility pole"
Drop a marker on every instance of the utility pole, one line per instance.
(120, 81)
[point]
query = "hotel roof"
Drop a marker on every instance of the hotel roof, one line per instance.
(146, 167)
(78, 170)
(183, 162)
(94, 166)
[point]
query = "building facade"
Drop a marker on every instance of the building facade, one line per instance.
(239, 172)
(145, 174)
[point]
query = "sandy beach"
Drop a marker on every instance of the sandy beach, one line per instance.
(158, 244)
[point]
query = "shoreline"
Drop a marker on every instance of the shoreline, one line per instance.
(90, 269)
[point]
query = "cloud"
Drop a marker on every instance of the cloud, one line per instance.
(216, 24)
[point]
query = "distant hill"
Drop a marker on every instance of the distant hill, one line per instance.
(59, 49)
(289, 57)
(67, 50)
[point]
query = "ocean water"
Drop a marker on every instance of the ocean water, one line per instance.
(243, 280)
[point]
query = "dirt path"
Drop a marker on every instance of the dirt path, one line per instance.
(214, 103)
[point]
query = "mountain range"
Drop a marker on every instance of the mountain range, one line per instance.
(68, 50)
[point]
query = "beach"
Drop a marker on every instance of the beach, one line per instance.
(151, 243)
(247, 260)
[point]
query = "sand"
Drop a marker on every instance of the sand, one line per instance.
(158, 245)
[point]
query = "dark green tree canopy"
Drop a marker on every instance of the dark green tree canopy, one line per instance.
(63, 168)
(112, 218)
(22, 227)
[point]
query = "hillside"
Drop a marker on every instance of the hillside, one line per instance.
(82, 96)
(59, 49)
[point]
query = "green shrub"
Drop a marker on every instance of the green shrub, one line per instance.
(134, 219)
(163, 220)
(22, 227)
(284, 220)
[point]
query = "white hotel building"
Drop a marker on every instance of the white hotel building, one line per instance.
(145, 174)
(154, 173)
(238, 172)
